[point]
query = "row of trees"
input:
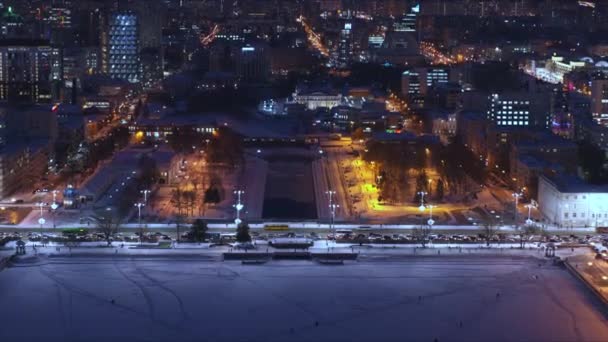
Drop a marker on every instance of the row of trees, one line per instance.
(401, 170)
(488, 231)
(187, 199)
(224, 146)
(108, 224)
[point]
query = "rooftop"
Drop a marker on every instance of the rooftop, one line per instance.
(566, 183)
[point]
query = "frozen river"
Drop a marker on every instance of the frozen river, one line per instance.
(401, 299)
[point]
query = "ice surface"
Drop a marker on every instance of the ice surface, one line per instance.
(169, 300)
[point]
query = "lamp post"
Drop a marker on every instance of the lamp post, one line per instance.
(431, 222)
(516, 196)
(530, 206)
(332, 209)
(141, 233)
(139, 205)
(145, 192)
(422, 194)
(238, 206)
(54, 207)
(41, 220)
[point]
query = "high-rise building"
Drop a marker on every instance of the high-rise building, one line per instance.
(417, 81)
(30, 71)
(344, 54)
(150, 15)
(410, 83)
(408, 21)
(599, 99)
(252, 63)
(152, 67)
(120, 47)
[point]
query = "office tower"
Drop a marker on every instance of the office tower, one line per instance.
(410, 83)
(252, 63)
(417, 81)
(599, 99)
(120, 47)
(150, 15)
(30, 70)
(519, 109)
(344, 54)
(152, 67)
(408, 22)
(11, 24)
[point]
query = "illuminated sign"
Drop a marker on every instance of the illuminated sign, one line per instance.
(586, 4)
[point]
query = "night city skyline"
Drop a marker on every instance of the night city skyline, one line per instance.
(304, 170)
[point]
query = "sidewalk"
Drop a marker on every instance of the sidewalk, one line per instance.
(591, 271)
(99, 249)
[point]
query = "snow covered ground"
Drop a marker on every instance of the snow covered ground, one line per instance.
(408, 299)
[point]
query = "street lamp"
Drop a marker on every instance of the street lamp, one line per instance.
(41, 220)
(332, 209)
(141, 233)
(530, 206)
(431, 222)
(54, 207)
(421, 194)
(238, 206)
(139, 205)
(145, 192)
(516, 196)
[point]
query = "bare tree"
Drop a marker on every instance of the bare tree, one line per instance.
(488, 230)
(190, 201)
(525, 232)
(422, 234)
(177, 199)
(179, 220)
(107, 223)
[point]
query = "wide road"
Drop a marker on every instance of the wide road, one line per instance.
(408, 299)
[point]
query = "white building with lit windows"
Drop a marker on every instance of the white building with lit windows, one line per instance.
(519, 109)
(567, 201)
(316, 97)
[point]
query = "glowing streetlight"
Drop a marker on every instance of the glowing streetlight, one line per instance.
(41, 220)
(332, 208)
(54, 207)
(238, 206)
(145, 192)
(421, 194)
(516, 196)
(139, 205)
(530, 206)
(431, 222)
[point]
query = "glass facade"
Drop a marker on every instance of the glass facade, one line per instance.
(123, 47)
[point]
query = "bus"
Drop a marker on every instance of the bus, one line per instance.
(276, 227)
